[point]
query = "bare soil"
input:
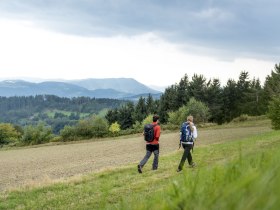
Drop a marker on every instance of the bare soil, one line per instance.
(46, 164)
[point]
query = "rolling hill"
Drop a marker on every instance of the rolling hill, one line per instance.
(115, 88)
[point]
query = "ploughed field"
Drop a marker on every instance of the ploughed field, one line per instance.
(33, 166)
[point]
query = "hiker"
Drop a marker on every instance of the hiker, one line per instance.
(152, 146)
(188, 135)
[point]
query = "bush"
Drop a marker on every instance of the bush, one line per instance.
(69, 133)
(176, 118)
(115, 128)
(197, 109)
(241, 118)
(36, 134)
(100, 126)
(8, 133)
(274, 113)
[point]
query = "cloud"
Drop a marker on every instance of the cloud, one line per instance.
(97, 38)
(226, 29)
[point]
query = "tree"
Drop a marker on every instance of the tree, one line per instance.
(197, 87)
(112, 116)
(230, 101)
(243, 90)
(167, 103)
(150, 104)
(182, 96)
(274, 112)
(214, 100)
(140, 111)
(255, 99)
(272, 84)
(126, 116)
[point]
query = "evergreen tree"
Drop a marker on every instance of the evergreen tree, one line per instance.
(230, 101)
(126, 116)
(214, 100)
(243, 90)
(197, 87)
(182, 96)
(272, 84)
(140, 111)
(150, 105)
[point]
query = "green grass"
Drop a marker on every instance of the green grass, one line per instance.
(243, 174)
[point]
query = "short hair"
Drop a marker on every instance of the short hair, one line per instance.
(155, 118)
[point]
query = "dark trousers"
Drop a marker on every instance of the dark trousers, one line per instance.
(150, 148)
(186, 155)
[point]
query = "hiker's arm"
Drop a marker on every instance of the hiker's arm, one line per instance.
(157, 133)
(191, 125)
(194, 132)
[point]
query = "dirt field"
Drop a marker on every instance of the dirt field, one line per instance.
(46, 164)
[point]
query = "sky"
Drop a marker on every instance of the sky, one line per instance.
(155, 42)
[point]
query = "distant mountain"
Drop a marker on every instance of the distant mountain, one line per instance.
(126, 85)
(109, 88)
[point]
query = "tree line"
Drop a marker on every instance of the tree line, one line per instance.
(206, 100)
(52, 110)
(219, 104)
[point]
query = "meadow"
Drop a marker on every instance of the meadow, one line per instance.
(237, 168)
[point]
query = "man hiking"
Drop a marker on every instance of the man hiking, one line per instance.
(188, 135)
(152, 144)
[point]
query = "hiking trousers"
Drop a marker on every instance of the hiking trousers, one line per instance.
(186, 155)
(151, 148)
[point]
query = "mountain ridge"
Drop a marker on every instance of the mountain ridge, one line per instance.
(115, 88)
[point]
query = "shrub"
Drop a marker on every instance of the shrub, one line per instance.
(69, 133)
(197, 109)
(100, 126)
(8, 133)
(115, 128)
(36, 134)
(241, 118)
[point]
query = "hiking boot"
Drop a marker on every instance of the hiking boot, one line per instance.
(139, 169)
(179, 169)
(192, 165)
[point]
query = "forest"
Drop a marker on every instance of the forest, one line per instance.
(51, 110)
(28, 120)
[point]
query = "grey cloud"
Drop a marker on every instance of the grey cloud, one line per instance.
(244, 27)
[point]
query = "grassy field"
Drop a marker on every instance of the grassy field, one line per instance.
(239, 174)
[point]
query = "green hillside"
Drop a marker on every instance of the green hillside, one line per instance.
(241, 174)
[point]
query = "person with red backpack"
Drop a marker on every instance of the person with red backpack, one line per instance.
(188, 135)
(151, 136)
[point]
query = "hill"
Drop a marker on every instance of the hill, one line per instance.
(125, 85)
(117, 88)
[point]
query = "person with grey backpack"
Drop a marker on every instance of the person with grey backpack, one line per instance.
(188, 134)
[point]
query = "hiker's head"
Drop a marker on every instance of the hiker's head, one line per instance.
(155, 118)
(190, 118)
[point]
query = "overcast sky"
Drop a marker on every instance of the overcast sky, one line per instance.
(155, 42)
